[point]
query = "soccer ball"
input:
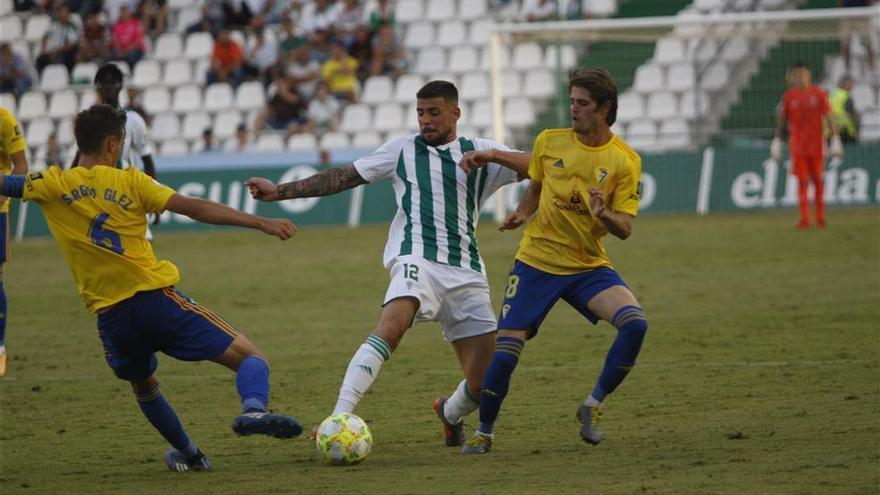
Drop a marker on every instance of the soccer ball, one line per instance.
(343, 439)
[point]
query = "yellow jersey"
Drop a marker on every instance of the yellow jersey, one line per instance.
(11, 142)
(564, 237)
(97, 215)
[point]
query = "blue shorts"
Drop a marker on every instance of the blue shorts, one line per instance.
(530, 293)
(160, 320)
(4, 237)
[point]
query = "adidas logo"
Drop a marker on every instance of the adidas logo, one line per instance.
(366, 368)
(559, 163)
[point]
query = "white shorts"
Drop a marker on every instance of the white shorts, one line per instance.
(458, 298)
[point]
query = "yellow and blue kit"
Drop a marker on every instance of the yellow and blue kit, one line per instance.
(11, 142)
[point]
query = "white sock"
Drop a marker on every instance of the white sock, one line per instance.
(592, 402)
(459, 404)
(362, 370)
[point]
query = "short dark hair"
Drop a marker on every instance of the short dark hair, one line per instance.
(97, 123)
(439, 89)
(600, 84)
(800, 65)
(109, 73)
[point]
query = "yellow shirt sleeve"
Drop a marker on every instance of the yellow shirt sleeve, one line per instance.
(536, 171)
(41, 186)
(154, 196)
(628, 188)
(13, 138)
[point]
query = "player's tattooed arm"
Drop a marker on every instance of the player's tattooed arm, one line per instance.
(328, 182)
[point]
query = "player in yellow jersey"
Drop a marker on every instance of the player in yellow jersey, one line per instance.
(585, 184)
(12, 161)
(96, 212)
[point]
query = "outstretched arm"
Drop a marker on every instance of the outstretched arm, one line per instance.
(328, 182)
(514, 160)
(219, 214)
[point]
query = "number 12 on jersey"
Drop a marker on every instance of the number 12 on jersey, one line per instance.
(411, 271)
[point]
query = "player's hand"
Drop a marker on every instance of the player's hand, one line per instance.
(776, 149)
(262, 189)
(281, 228)
(597, 202)
(473, 160)
(513, 221)
(836, 148)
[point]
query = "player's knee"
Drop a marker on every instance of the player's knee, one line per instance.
(631, 320)
(146, 389)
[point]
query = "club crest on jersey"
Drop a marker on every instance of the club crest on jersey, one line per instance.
(576, 198)
(603, 173)
(559, 163)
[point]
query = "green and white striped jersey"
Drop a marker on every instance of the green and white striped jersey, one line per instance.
(438, 205)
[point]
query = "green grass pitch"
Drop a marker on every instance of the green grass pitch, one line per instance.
(759, 373)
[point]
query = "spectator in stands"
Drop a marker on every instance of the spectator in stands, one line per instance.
(539, 10)
(858, 28)
(241, 13)
(303, 71)
(227, 61)
(340, 73)
(61, 41)
(154, 14)
(348, 18)
(286, 110)
(361, 49)
(319, 15)
(577, 10)
(53, 151)
(208, 143)
(383, 14)
(15, 74)
(320, 44)
(845, 114)
(212, 20)
(242, 143)
(128, 38)
(262, 57)
(290, 41)
(113, 9)
(279, 10)
(388, 57)
(323, 113)
(95, 43)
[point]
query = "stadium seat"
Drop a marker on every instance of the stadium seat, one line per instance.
(619, 129)
(705, 51)
(440, 10)
(181, 4)
(451, 33)
(407, 87)
(486, 58)
(335, 140)
(444, 76)
(705, 6)
(430, 59)
(602, 8)
(6, 6)
(519, 112)
(662, 105)
(23, 48)
(84, 73)
(165, 126)
(199, 45)
(675, 134)
(863, 98)
(174, 147)
(649, 77)
(539, 83)
(250, 95)
(478, 34)
(869, 128)
(146, 73)
(64, 131)
(187, 98)
(406, 11)
(10, 29)
(366, 139)
(469, 10)
(356, 117)
(468, 131)
(302, 142)
(54, 77)
(734, 50)
(419, 35)
(387, 116)
(7, 101)
(463, 58)
(481, 114)
(156, 99)
(411, 113)
(474, 86)
(187, 17)
(567, 56)
(680, 77)
(527, 56)
(31, 105)
(36, 28)
(465, 119)
(669, 51)
(194, 124)
(200, 71)
(630, 107)
(694, 104)
(38, 131)
(226, 122)
(642, 135)
(716, 77)
(62, 104)
(168, 46)
(218, 96)
(87, 99)
(177, 72)
(511, 83)
(377, 89)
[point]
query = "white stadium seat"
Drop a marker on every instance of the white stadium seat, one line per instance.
(440, 10)
(869, 128)
(377, 89)
(250, 95)
(199, 45)
(602, 8)
(187, 98)
(87, 99)
(226, 122)
(356, 117)
(481, 114)
(388, 116)
(463, 58)
(177, 71)
(716, 77)
(527, 56)
(218, 96)
(175, 147)
(863, 98)
(451, 33)
(38, 131)
(84, 73)
(31, 105)
(511, 83)
(408, 10)
(486, 58)
(681, 77)
(430, 59)
(474, 86)
(419, 35)
(187, 17)
(36, 28)
(334, 140)
(302, 142)
(539, 84)
(649, 77)
(735, 49)
(62, 103)
(630, 107)
(168, 46)
(200, 71)
(694, 104)
(519, 112)
(157, 99)
(54, 77)
(706, 51)
(407, 87)
(662, 105)
(366, 139)
(6, 6)
(478, 34)
(146, 73)
(567, 56)
(642, 134)
(469, 10)
(194, 124)
(7, 101)
(165, 126)
(675, 133)
(669, 51)
(64, 131)
(10, 28)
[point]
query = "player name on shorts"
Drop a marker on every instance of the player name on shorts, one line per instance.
(89, 192)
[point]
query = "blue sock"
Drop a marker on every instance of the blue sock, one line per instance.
(162, 416)
(631, 328)
(497, 380)
(252, 382)
(2, 314)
